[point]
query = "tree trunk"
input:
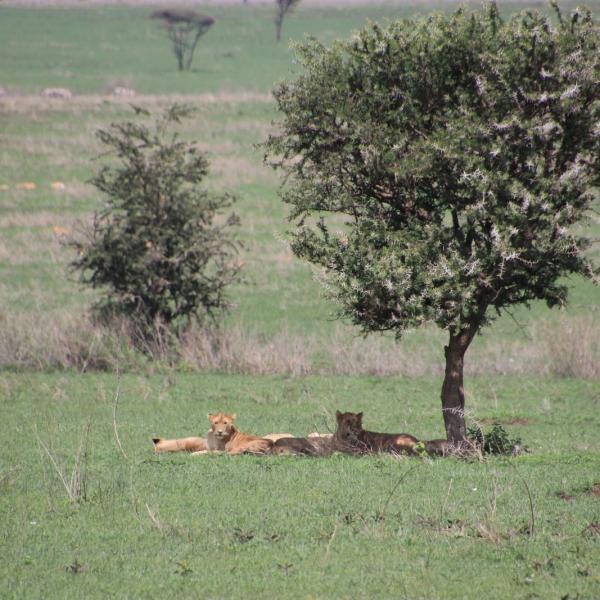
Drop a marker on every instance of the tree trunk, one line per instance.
(192, 49)
(453, 392)
(179, 55)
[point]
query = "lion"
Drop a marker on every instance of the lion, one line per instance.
(308, 446)
(351, 435)
(213, 442)
(225, 436)
(188, 444)
(278, 436)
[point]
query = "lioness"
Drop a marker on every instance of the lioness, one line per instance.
(277, 436)
(350, 434)
(188, 444)
(224, 435)
(308, 446)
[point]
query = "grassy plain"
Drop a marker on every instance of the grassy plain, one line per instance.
(156, 526)
(175, 525)
(92, 50)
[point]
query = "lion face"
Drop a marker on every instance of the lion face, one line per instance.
(221, 425)
(349, 425)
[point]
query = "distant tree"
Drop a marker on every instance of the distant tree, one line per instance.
(184, 28)
(282, 8)
(161, 251)
(462, 153)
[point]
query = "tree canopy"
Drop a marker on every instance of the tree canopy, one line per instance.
(461, 152)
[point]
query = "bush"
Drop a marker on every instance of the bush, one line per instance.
(495, 441)
(155, 250)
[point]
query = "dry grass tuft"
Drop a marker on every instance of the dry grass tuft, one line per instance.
(41, 341)
(75, 486)
(20, 104)
(564, 347)
(572, 347)
(347, 354)
(238, 351)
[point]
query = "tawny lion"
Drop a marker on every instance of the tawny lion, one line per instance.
(223, 436)
(188, 444)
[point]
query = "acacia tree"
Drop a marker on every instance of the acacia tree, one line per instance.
(282, 8)
(184, 28)
(460, 151)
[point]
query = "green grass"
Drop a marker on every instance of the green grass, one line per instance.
(42, 141)
(89, 49)
(155, 526)
(215, 526)
(45, 141)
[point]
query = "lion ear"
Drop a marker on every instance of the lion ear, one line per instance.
(338, 414)
(209, 416)
(360, 416)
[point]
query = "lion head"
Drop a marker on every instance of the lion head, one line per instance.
(349, 425)
(221, 425)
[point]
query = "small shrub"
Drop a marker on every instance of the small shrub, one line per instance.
(160, 251)
(495, 441)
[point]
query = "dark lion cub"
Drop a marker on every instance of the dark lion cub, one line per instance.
(350, 434)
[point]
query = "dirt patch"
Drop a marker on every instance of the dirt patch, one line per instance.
(511, 421)
(592, 529)
(595, 490)
(565, 496)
